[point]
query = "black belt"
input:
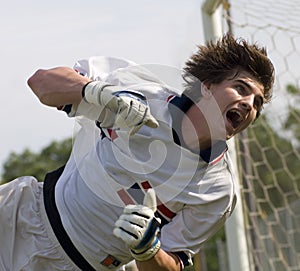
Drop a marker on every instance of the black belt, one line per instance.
(56, 224)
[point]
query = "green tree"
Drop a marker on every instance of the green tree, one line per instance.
(275, 159)
(29, 163)
(293, 120)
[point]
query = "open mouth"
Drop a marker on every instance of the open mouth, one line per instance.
(235, 118)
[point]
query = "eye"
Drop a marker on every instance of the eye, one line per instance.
(258, 103)
(241, 89)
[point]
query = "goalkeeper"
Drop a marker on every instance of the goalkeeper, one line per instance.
(149, 177)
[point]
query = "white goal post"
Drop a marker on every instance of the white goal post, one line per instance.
(264, 231)
(234, 228)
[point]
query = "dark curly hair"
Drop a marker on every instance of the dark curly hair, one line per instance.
(226, 58)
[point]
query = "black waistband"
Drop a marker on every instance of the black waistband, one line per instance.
(56, 224)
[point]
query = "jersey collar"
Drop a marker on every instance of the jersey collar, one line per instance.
(178, 106)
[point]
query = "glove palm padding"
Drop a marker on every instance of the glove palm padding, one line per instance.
(138, 228)
(130, 108)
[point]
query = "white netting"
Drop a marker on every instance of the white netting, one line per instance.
(269, 153)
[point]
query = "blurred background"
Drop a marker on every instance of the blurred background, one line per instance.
(44, 34)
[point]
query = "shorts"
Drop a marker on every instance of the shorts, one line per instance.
(27, 242)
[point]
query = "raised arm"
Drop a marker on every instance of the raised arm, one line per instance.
(58, 86)
(117, 107)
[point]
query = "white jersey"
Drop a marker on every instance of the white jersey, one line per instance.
(108, 170)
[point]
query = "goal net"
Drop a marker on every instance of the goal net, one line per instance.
(269, 152)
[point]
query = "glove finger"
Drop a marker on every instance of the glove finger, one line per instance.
(135, 219)
(136, 232)
(144, 117)
(139, 210)
(150, 121)
(150, 199)
(128, 117)
(135, 114)
(126, 237)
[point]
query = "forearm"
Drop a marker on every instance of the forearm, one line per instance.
(57, 86)
(162, 261)
(107, 104)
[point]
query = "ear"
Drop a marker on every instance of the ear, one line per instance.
(205, 91)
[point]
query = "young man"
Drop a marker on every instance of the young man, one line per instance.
(156, 183)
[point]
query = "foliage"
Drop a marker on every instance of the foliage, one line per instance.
(269, 168)
(29, 163)
(211, 251)
(274, 160)
(293, 120)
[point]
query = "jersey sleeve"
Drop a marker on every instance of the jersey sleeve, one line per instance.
(99, 68)
(196, 223)
(122, 73)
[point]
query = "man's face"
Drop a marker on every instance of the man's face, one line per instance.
(224, 110)
(239, 99)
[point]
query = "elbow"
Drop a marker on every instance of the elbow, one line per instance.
(35, 82)
(35, 79)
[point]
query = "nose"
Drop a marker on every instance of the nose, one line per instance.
(248, 102)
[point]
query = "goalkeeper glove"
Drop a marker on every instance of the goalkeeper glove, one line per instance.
(138, 228)
(130, 107)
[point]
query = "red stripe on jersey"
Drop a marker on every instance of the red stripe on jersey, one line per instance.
(125, 197)
(146, 185)
(164, 209)
(112, 134)
(170, 98)
(160, 206)
(217, 159)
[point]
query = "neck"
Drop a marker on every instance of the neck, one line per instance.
(195, 138)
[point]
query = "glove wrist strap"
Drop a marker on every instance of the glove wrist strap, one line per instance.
(91, 91)
(148, 253)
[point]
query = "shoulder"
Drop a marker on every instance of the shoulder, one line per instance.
(99, 67)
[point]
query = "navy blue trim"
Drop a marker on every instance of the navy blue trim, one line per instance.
(183, 103)
(185, 259)
(211, 154)
(132, 94)
(136, 193)
(163, 221)
(56, 223)
(67, 108)
(178, 106)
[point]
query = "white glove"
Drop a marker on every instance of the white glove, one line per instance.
(138, 228)
(130, 108)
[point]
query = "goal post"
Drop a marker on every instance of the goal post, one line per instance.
(268, 152)
(211, 19)
(234, 227)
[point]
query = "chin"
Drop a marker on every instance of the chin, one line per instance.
(229, 136)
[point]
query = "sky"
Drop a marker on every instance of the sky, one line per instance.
(44, 34)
